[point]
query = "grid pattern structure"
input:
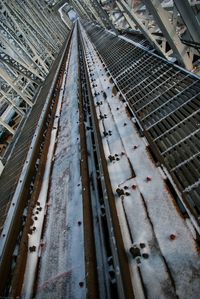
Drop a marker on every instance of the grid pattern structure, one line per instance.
(166, 102)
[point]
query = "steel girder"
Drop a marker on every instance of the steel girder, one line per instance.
(31, 37)
(180, 51)
(189, 19)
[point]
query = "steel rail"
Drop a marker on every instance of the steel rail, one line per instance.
(12, 224)
(124, 285)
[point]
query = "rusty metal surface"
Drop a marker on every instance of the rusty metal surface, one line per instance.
(13, 168)
(165, 100)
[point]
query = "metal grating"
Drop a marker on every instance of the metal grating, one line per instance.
(138, 38)
(166, 102)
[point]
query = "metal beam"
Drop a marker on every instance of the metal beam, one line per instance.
(169, 31)
(103, 15)
(12, 83)
(133, 20)
(189, 19)
(6, 126)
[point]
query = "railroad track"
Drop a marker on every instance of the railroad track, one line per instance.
(99, 229)
(113, 271)
(17, 190)
(97, 217)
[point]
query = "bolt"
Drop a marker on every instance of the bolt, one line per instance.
(134, 187)
(111, 158)
(32, 248)
(142, 245)
(101, 116)
(120, 191)
(135, 146)
(105, 133)
(172, 237)
(81, 284)
(125, 124)
(79, 223)
(148, 178)
(135, 251)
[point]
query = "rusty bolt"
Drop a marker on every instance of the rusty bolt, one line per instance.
(32, 248)
(134, 187)
(172, 237)
(135, 251)
(148, 178)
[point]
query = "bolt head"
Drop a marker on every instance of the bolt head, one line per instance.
(148, 178)
(172, 237)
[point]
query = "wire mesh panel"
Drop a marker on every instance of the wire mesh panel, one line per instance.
(166, 102)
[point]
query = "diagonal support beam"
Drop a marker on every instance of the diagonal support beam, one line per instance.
(6, 126)
(169, 31)
(189, 18)
(133, 20)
